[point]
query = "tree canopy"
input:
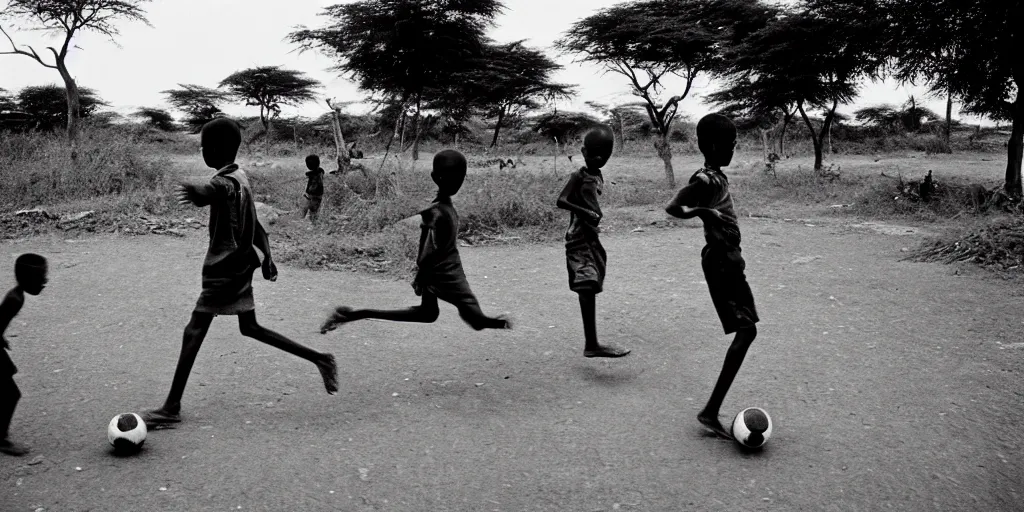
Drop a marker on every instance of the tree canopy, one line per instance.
(157, 118)
(199, 104)
(47, 105)
(270, 87)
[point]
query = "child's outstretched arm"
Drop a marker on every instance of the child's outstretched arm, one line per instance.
(564, 203)
(684, 204)
(262, 242)
(198, 194)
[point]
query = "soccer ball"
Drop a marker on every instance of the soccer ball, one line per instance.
(752, 427)
(126, 432)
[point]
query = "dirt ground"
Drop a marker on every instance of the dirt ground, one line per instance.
(892, 385)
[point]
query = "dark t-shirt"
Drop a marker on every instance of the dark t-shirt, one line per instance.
(9, 308)
(440, 268)
(709, 188)
(315, 185)
(582, 190)
(232, 226)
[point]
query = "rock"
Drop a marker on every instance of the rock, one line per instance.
(35, 460)
(77, 216)
(806, 259)
(266, 214)
(35, 212)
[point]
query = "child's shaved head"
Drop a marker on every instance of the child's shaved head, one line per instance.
(312, 162)
(449, 171)
(220, 139)
(30, 272)
(716, 138)
(597, 146)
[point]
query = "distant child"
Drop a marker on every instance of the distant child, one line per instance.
(440, 274)
(235, 234)
(30, 274)
(584, 255)
(314, 194)
(707, 196)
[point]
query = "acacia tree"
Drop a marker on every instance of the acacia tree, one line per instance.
(512, 79)
(649, 41)
(198, 103)
(46, 105)
(984, 65)
(157, 118)
(7, 103)
(68, 18)
(813, 57)
(270, 87)
(398, 50)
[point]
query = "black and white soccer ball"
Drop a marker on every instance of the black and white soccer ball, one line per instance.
(752, 427)
(126, 432)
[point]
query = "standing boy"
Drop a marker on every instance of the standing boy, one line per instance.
(584, 255)
(314, 194)
(235, 234)
(707, 196)
(439, 274)
(30, 275)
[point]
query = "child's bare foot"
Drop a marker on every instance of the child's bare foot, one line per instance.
(606, 351)
(507, 319)
(329, 371)
(11, 448)
(337, 318)
(712, 423)
(159, 419)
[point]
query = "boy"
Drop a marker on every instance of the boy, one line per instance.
(30, 274)
(584, 255)
(235, 234)
(440, 274)
(707, 196)
(314, 188)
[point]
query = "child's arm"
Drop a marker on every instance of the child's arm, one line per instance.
(262, 242)
(564, 203)
(428, 248)
(686, 212)
(198, 194)
(684, 204)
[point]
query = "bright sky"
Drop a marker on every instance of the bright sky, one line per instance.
(203, 41)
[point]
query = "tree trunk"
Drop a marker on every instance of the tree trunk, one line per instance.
(266, 139)
(786, 118)
(497, 127)
(764, 144)
(949, 120)
(74, 107)
(416, 132)
(814, 137)
(664, 150)
(1015, 149)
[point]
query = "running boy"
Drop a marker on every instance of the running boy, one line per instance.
(584, 255)
(30, 275)
(707, 196)
(235, 234)
(440, 274)
(314, 194)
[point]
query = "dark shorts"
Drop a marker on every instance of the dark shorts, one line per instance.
(227, 295)
(586, 261)
(313, 203)
(730, 293)
(449, 285)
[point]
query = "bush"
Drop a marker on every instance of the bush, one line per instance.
(38, 169)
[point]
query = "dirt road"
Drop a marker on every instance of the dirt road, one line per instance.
(892, 385)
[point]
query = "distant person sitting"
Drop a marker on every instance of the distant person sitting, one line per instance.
(314, 193)
(439, 274)
(30, 276)
(235, 235)
(707, 196)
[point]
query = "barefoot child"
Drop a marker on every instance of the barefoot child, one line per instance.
(584, 255)
(440, 274)
(707, 196)
(235, 234)
(314, 194)
(30, 274)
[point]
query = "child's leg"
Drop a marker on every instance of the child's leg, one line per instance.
(427, 312)
(9, 396)
(248, 326)
(588, 307)
(191, 341)
(733, 360)
(475, 317)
